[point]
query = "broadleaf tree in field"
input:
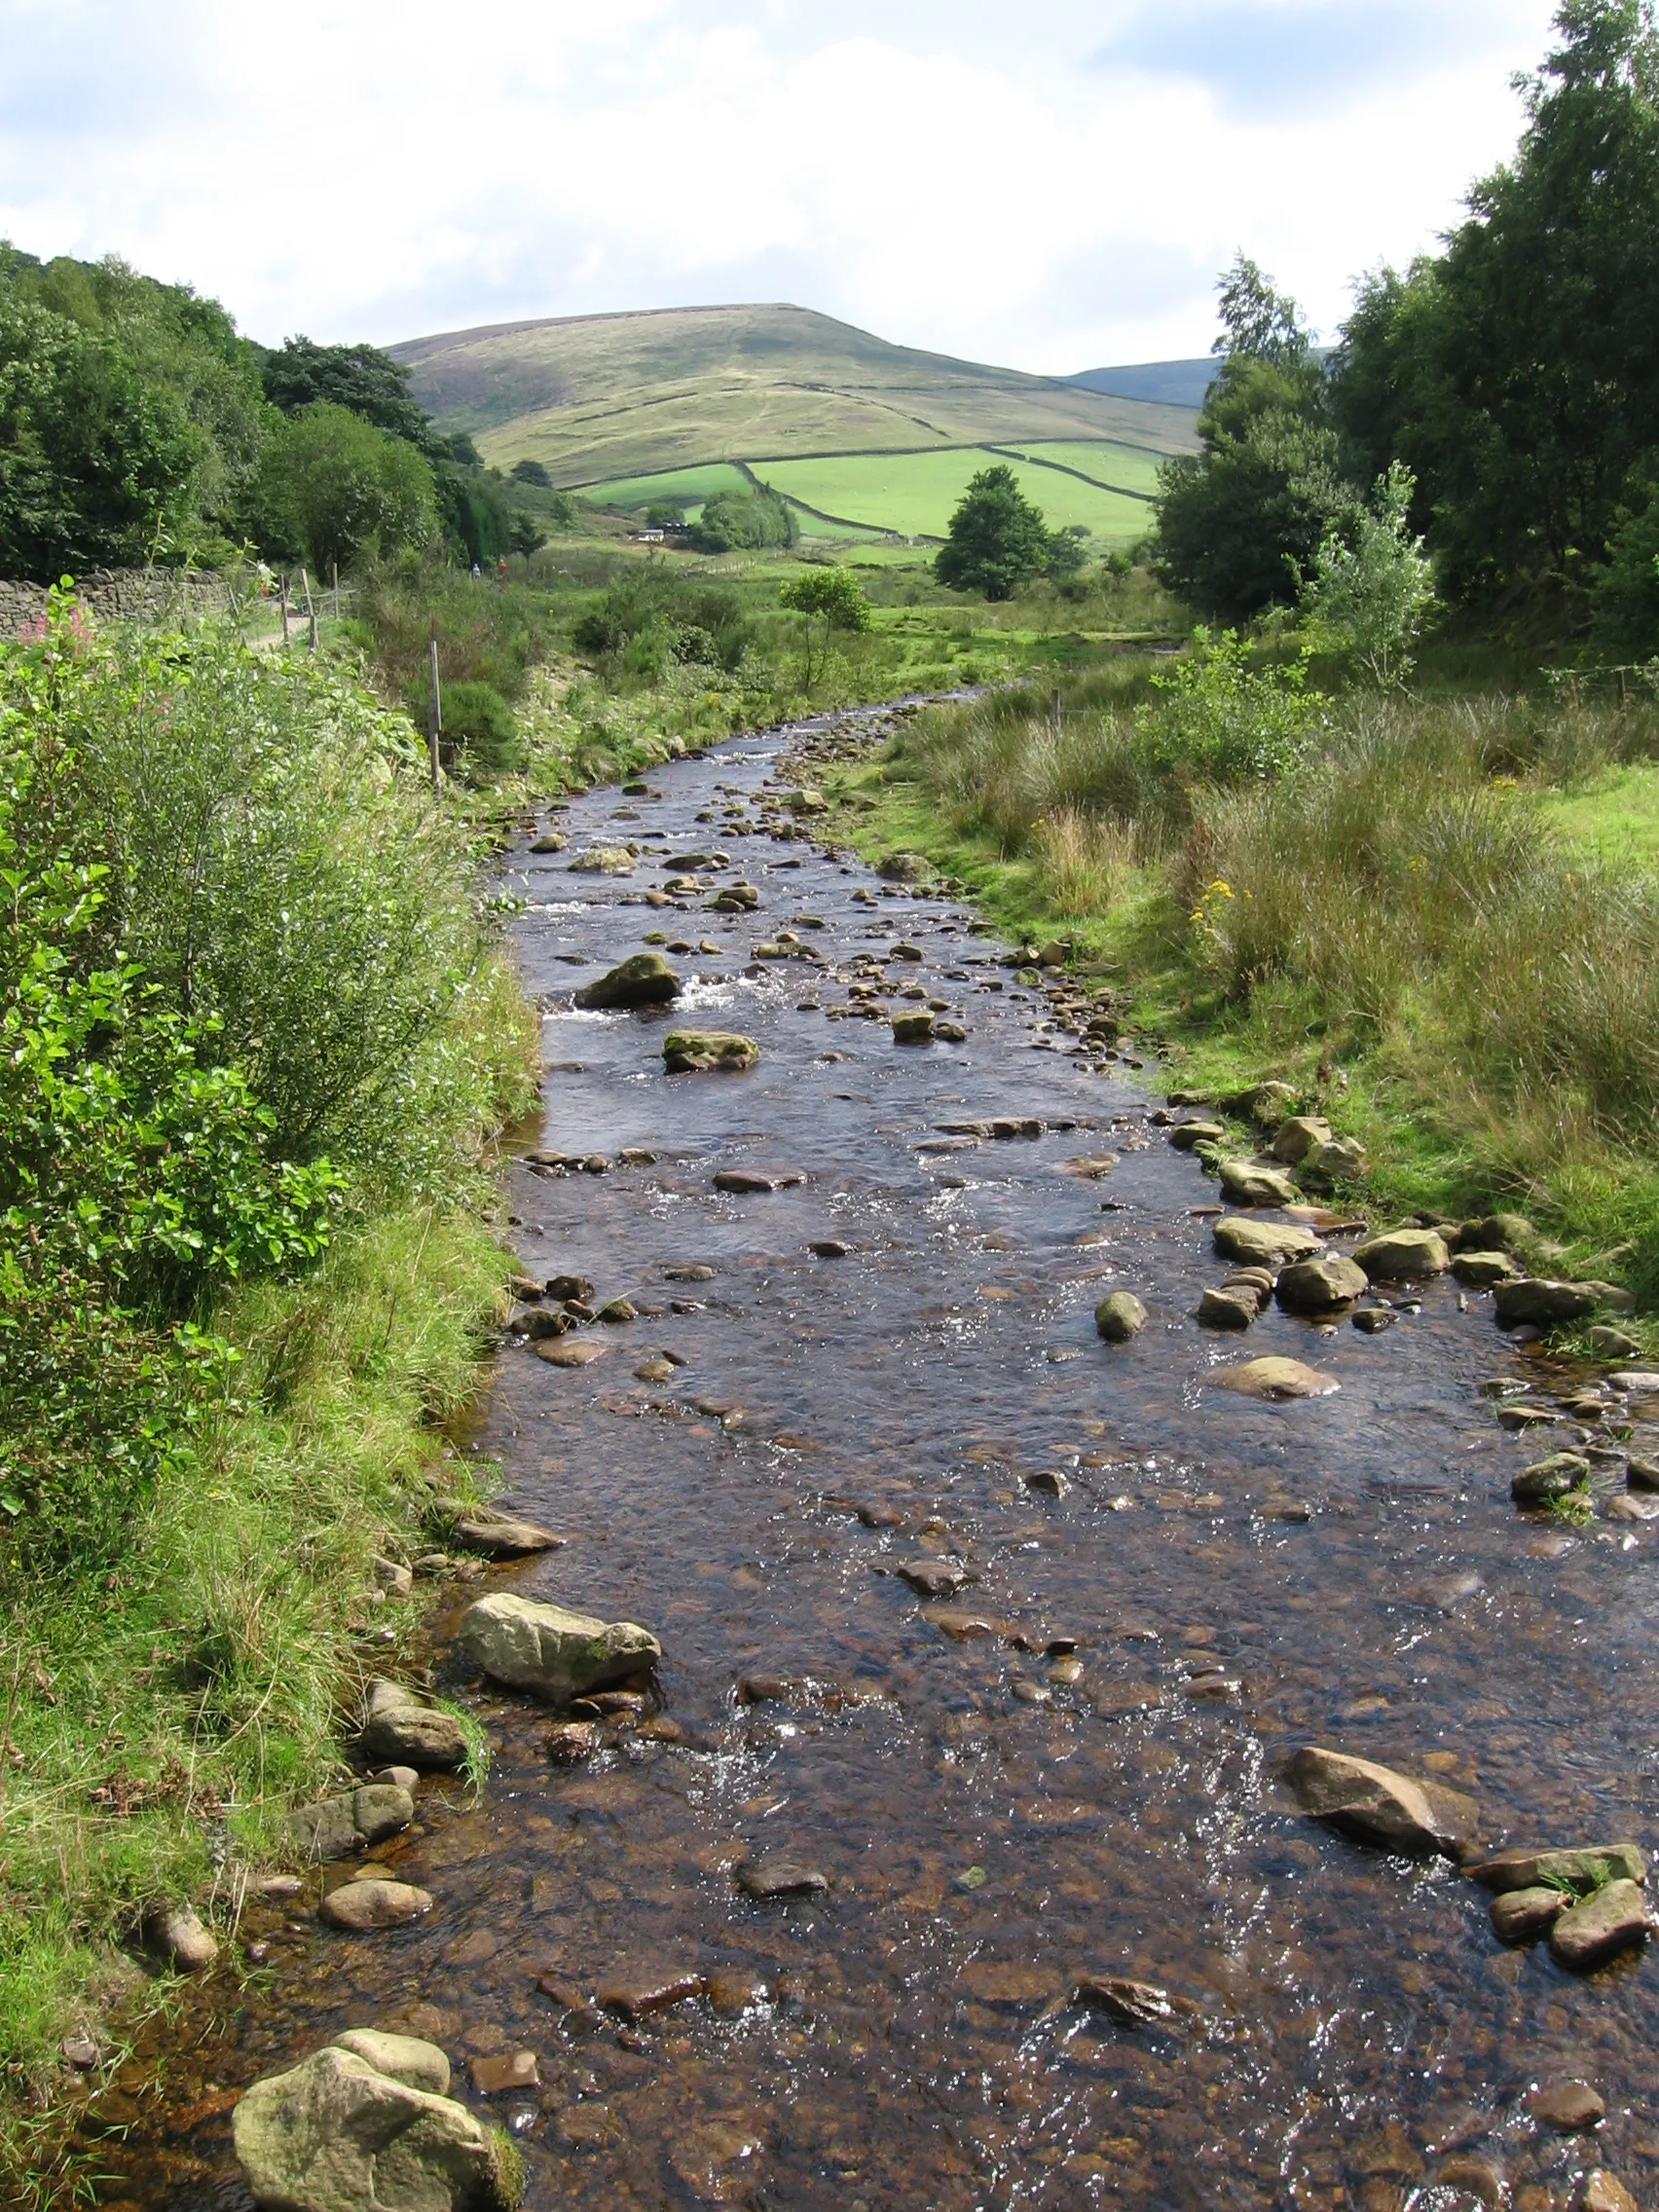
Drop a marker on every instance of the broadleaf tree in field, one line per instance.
(998, 539)
(333, 490)
(832, 598)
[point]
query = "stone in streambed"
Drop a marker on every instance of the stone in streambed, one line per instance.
(603, 860)
(499, 1536)
(762, 1878)
(1295, 1138)
(1484, 1270)
(1544, 1301)
(1613, 1919)
(335, 2134)
(933, 1577)
(1602, 2192)
(690, 1051)
(1269, 1244)
(551, 1653)
(1187, 1136)
(1521, 1916)
(1249, 1184)
(1568, 2107)
(363, 1907)
(337, 1828)
(1228, 1309)
(644, 978)
(1320, 1285)
(912, 1029)
(1379, 1805)
(1403, 1255)
(562, 1352)
(1274, 1379)
(1582, 1865)
(755, 1180)
(418, 2065)
(639, 1993)
(1137, 2003)
(398, 1727)
(175, 1933)
(1119, 1316)
(1548, 1479)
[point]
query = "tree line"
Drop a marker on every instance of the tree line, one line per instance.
(1505, 389)
(137, 424)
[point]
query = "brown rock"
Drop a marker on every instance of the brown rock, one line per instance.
(1320, 1285)
(1568, 2107)
(568, 1742)
(1379, 1805)
(746, 1179)
(561, 1352)
(507, 2070)
(731, 1991)
(1602, 2192)
(1275, 1377)
(498, 1535)
(176, 1933)
(637, 1994)
(1009, 1987)
(933, 1577)
(961, 1623)
(1611, 1920)
(363, 1907)
(1583, 1865)
(1138, 2003)
(780, 1878)
(1521, 1916)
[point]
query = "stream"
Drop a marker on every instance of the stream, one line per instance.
(1074, 1769)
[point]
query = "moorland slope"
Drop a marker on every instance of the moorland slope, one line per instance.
(598, 398)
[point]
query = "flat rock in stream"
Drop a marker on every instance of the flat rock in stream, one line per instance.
(335, 2134)
(551, 1653)
(1273, 1378)
(933, 1577)
(417, 2064)
(1522, 1916)
(780, 1878)
(1137, 2003)
(643, 978)
(1248, 1183)
(398, 1728)
(1320, 1285)
(1379, 1805)
(566, 1352)
(603, 860)
(1581, 1865)
(759, 1179)
(1544, 1301)
(1271, 1243)
(338, 1828)
(499, 1536)
(363, 1909)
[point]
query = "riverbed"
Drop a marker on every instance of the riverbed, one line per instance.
(1068, 1766)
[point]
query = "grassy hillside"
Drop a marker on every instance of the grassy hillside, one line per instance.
(600, 397)
(915, 493)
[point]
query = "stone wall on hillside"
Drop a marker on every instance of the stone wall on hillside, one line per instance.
(121, 594)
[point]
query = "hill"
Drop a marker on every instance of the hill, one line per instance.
(1173, 383)
(601, 398)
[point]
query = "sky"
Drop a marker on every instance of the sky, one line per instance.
(1052, 185)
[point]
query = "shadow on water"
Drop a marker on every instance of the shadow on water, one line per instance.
(993, 1812)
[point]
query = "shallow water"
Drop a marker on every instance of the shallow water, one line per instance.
(988, 1829)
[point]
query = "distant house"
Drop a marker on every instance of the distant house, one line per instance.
(651, 537)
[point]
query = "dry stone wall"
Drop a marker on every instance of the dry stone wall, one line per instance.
(120, 595)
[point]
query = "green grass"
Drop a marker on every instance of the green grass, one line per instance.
(604, 397)
(915, 493)
(1613, 817)
(1128, 469)
(1414, 930)
(672, 484)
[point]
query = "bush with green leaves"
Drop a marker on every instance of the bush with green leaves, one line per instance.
(1218, 720)
(832, 598)
(1372, 586)
(997, 540)
(1626, 599)
(481, 733)
(747, 521)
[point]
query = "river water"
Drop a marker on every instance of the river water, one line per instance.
(994, 1814)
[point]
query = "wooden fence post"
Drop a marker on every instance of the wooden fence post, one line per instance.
(1054, 712)
(435, 722)
(336, 591)
(284, 582)
(310, 610)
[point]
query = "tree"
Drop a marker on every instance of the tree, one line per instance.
(749, 521)
(333, 489)
(1518, 374)
(532, 472)
(832, 596)
(1368, 591)
(1259, 322)
(96, 463)
(1626, 622)
(360, 378)
(997, 541)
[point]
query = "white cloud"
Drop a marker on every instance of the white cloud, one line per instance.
(966, 180)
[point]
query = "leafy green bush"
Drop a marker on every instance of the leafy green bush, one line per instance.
(649, 619)
(1626, 590)
(1217, 719)
(335, 491)
(479, 723)
(744, 520)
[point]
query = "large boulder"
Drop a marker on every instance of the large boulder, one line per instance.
(1267, 1243)
(335, 2134)
(1544, 1301)
(1613, 1919)
(398, 1730)
(1381, 1806)
(644, 978)
(1403, 1255)
(1341, 1160)
(1320, 1285)
(1302, 1134)
(687, 1051)
(1119, 1316)
(551, 1653)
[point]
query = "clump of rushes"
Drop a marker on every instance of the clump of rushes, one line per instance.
(257, 1032)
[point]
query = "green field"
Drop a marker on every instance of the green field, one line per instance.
(609, 398)
(672, 484)
(915, 493)
(1127, 469)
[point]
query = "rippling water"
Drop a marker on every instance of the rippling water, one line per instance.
(992, 1818)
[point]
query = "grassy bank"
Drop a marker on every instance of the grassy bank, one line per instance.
(1436, 916)
(258, 1031)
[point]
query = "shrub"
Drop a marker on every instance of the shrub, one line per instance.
(479, 723)
(1217, 719)
(334, 490)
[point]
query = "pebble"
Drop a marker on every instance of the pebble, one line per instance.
(1568, 2107)
(636, 1994)
(507, 2070)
